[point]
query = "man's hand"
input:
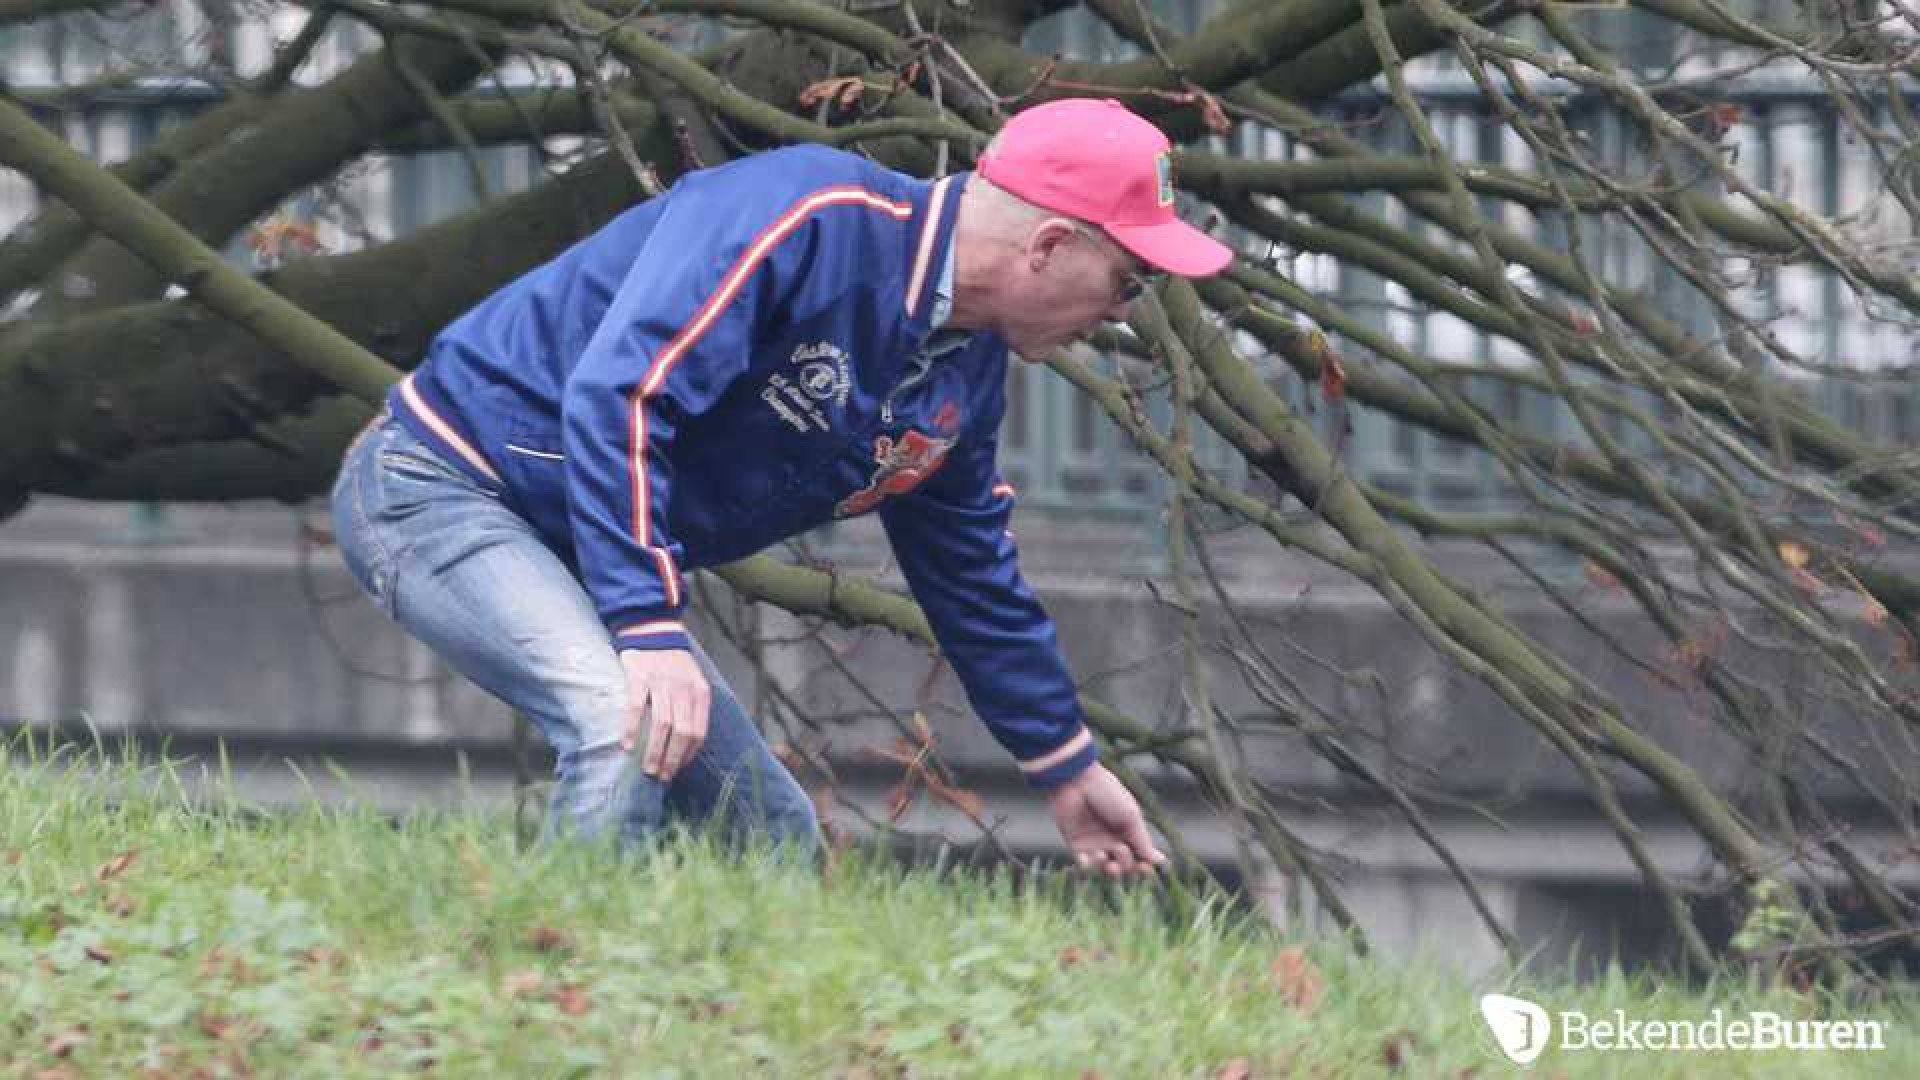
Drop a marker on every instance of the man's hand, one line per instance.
(668, 685)
(1103, 826)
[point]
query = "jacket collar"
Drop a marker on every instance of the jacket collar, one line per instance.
(932, 244)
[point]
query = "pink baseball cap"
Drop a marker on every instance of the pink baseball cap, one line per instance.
(1096, 161)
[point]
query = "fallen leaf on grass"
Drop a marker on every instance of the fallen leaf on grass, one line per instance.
(116, 866)
(322, 960)
(227, 1029)
(701, 1009)
(546, 939)
(215, 1026)
(572, 999)
(873, 1043)
(219, 962)
(522, 983)
(1073, 956)
(1395, 1048)
(99, 955)
(1298, 982)
(65, 1042)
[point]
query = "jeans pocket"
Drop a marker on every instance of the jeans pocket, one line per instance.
(354, 534)
(419, 465)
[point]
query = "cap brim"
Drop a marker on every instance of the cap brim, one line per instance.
(1174, 246)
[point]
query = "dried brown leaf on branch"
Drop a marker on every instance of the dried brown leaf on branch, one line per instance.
(843, 91)
(1211, 114)
(279, 238)
(957, 797)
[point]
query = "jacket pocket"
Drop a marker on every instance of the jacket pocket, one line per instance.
(534, 463)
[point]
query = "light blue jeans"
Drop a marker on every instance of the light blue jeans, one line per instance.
(470, 578)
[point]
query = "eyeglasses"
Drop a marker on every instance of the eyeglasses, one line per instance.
(1134, 286)
(1135, 280)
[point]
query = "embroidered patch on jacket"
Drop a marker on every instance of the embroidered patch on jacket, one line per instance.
(825, 372)
(791, 402)
(904, 464)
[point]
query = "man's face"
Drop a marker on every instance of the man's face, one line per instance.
(1071, 277)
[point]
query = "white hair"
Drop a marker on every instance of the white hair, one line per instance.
(1002, 214)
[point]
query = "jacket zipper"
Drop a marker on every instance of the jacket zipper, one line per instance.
(908, 383)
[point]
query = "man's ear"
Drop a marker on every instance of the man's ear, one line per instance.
(1045, 240)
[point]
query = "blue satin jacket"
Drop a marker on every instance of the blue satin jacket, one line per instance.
(736, 361)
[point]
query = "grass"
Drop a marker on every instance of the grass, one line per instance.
(142, 934)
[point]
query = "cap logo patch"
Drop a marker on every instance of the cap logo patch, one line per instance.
(1163, 168)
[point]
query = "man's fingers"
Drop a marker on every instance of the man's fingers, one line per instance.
(659, 735)
(676, 750)
(689, 729)
(1142, 844)
(1116, 860)
(1147, 858)
(670, 746)
(697, 705)
(672, 696)
(636, 722)
(678, 730)
(1108, 861)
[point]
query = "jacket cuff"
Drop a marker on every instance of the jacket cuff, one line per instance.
(652, 634)
(1061, 764)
